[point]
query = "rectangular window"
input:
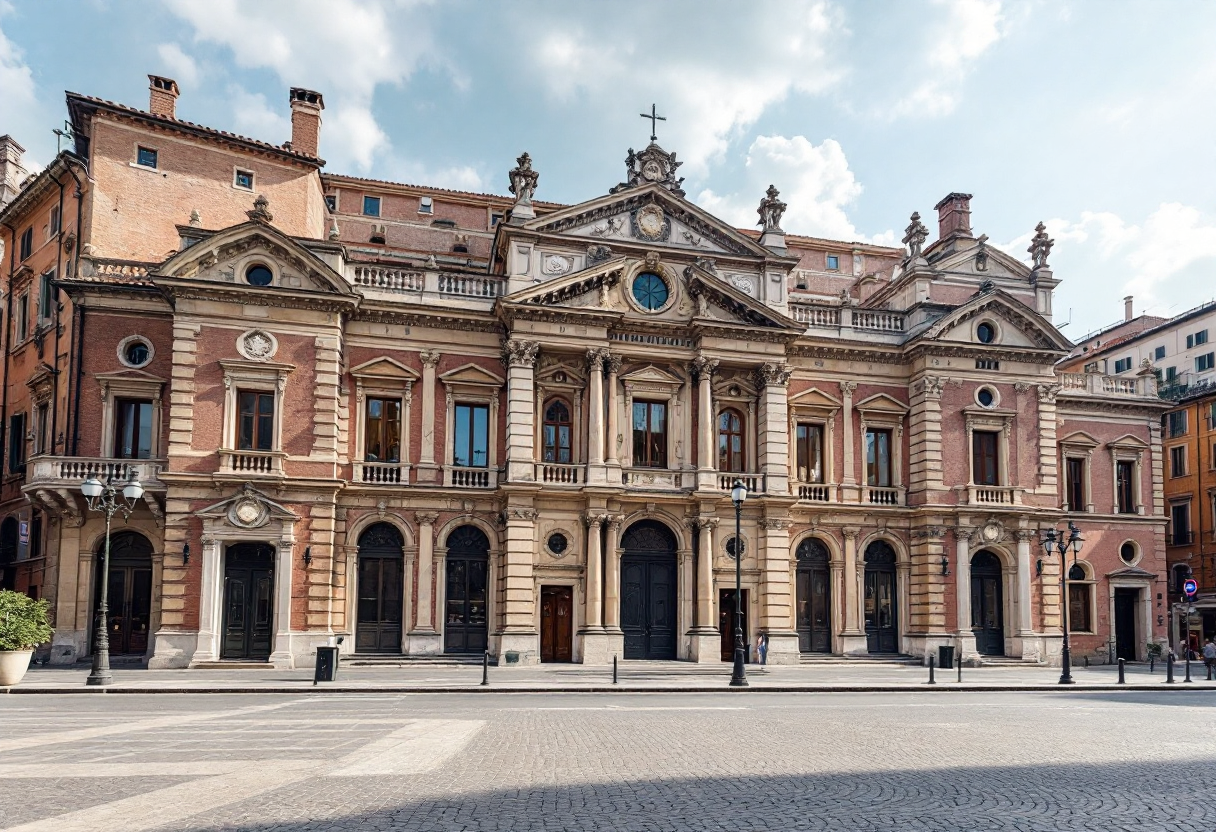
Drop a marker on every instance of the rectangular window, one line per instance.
(371, 206)
(382, 430)
(133, 429)
(1123, 365)
(255, 421)
(1079, 620)
(426, 205)
(27, 243)
(1180, 524)
(146, 157)
(810, 453)
(243, 179)
(650, 434)
(1171, 373)
(1178, 461)
(471, 444)
(46, 297)
(23, 317)
(987, 364)
(1212, 416)
(1176, 423)
(1074, 488)
(1125, 485)
(331, 203)
(878, 458)
(1159, 353)
(1091, 367)
(1201, 337)
(983, 455)
(1203, 363)
(41, 426)
(52, 225)
(16, 443)
(495, 219)
(833, 263)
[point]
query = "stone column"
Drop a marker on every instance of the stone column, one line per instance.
(595, 640)
(962, 591)
(282, 655)
(520, 358)
(776, 608)
(703, 370)
(853, 638)
(706, 641)
(1026, 634)
(774, 435)
(613, 365)
(424, 640)
(612, 579)
(519, 632)
(211, 603)
(428, 471)
(595, 417)
(924, 587)
(851, 493)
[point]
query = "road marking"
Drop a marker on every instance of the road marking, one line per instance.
(422, 745)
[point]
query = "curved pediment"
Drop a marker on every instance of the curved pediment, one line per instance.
(1018, 325)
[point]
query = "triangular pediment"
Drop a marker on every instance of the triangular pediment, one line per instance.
(384, 369)
(1018, 326)
(815, 398)
(248, 508)
(881, 403)
(226, 257)
(471, 374)
(649, 216)
(650, 374)
(1080, 439)
(1129, 441)
(1132, 572)
(978, 257)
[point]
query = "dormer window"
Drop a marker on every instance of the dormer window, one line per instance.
(426, 205)
(243, 179)
(146, 157)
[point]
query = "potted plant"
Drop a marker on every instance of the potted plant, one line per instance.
(24, 624)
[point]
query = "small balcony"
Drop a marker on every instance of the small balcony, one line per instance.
(561, 474)
(990, 495)
(71, 471)
(881, 496)
(814, 492)
(252, 463)
(458, 476)
(754, 483)
(382, 473)
(1179, 538)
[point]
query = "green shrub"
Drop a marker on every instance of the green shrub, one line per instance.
(24, 622)
(1154, 649)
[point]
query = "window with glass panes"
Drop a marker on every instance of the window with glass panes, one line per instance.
(650, 434)
(556, 433)
(878, 458)
(471, 436)
(984, 459)
(255, 421)
(1178, 461)
(382, 430)
(808, 439)
(133, 429)
(1125, 485)
(1074, 483)
(730, 441)
(1080, 610)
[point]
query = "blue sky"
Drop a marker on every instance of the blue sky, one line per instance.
(1096, 117)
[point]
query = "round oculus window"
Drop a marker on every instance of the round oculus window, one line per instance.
(734, 544)
(985, 397)
(558, 543)
(1128, 552)
(650, 291)
(259, 275)
(137, 353)
(985, 333)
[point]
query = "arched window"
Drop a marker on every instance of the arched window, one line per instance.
(730, 441)
(557, 432)
(1080, 600)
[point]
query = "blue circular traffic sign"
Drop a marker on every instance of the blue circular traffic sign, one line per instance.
(1190, 586)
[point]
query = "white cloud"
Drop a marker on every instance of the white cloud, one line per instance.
(814, 180)
(713, 76)
(24, 117)
(256, 118)
(178, 65)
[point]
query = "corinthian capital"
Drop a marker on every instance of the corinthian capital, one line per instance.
(770, 374)
(430, 358)
(519, 353)
(703, 368)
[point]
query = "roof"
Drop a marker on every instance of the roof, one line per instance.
(510, 200)
(37, 186)
(76, 101)
(1153, 331)
(122, 272)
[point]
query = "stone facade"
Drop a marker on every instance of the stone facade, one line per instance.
(431, 421)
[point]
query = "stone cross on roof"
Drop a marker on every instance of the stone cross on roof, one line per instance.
(654, 117)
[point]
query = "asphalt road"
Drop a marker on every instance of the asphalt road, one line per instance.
(761, 761)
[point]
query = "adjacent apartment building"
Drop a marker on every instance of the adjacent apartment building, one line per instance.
(445, 422)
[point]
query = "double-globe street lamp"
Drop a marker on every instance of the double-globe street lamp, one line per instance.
(1053, 540)
(738, 676)
(104, 497)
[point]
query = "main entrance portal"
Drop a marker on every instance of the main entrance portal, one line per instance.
(813, 620)
(378, 618)
(556, 624)
(1125, 622)
(129, 597)
(881, 603)
(987, 616)
(648, 591)
(248, 601)
(465, 625)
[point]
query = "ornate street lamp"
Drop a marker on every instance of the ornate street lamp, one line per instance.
(103, 497)
(738, 676)
(1053, 541)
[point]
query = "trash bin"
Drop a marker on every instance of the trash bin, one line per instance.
(512, 657)
(945, 656)
(327, 665)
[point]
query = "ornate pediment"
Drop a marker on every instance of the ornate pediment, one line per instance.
(1128, 442)
(1017, 325)
(249, 508)
(384, 370)
(815, 399)
(471, 375)
(1080, 439)
(976, 257)
(650, 375)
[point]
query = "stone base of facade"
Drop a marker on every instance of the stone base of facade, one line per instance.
(923, 646)
(526, 646)
(69, 645)
(172, 649)
(597, 646)
(854, 644)
(705, 646)
(782, 648)
(423, 644)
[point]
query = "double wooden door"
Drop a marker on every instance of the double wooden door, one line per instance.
(466, 610)
(1125, 622)
(648, 591)
(726, 623)
(987, 605)
(556, 624)
(813, 615)
(381, 578)
(248, 601)
(129, 593)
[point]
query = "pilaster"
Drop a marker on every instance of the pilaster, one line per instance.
(925, 472)
(520, 358)
(424, 639)
(775, 591)
(774, 438)
(853, 636)
(519, 632)
(428, 471)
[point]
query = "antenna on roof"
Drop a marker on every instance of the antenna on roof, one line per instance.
(65, 133)
(1066, 323)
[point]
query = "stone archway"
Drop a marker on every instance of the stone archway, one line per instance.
(881, 599)
(466, 599)
(649, 580)
(381, 579)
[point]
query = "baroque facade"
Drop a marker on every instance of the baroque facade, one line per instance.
(441, 422)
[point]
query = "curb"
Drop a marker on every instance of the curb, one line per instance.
(335, 689)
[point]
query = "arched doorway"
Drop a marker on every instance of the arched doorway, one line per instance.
(378, 616)
(648, 591)
(8, 553)
(248, 601)
(466, 617)
(987, 607)
(129, 598)
(814, 615)
(881, 601)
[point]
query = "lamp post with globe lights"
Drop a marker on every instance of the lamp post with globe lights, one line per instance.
(104, 497)
(1056, 541)
(738, 676)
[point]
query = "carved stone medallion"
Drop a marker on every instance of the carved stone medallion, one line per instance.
(650, 223)
(257, 345)
(248, 513)
(557, 265)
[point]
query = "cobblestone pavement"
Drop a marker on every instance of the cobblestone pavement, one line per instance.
(706, 761)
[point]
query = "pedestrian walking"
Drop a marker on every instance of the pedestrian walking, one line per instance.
(1209, 654)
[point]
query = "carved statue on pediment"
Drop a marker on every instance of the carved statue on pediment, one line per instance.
(981, 254)
(915, 236)
(771, 210)
(523, 180)
(598, 254)
(707, 264)
(261, 210)
(652, 165)
(1040, 247)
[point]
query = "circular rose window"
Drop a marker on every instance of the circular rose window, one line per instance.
(650, 291)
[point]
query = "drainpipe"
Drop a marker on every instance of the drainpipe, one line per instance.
(4, 338)
(72, 405)
(53, 287)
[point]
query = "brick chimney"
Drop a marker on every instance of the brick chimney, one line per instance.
(162, 99)
(954, 216)
(12, 172)
(1127, 308)
(306, 107)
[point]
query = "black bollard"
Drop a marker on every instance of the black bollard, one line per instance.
(932, 662)
(1169, 669)
(485, 669)
(959, 665)
(1087, 662)
(1122, 669)
(1188, 666)
(1152, 664)
(614, 670)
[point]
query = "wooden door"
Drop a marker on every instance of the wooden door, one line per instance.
(556, 624)
(378, 620)
(726, 624)
(129, 594)
(1125, 622)
(648, 591)
(881, 603)
(466, 621)
(813, 613)
(987, 604)
(248, 601)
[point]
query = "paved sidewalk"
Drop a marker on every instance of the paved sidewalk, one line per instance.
(633, 676)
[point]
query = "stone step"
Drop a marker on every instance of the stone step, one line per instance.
(394, 660)
(232, 664)
(833, 660)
